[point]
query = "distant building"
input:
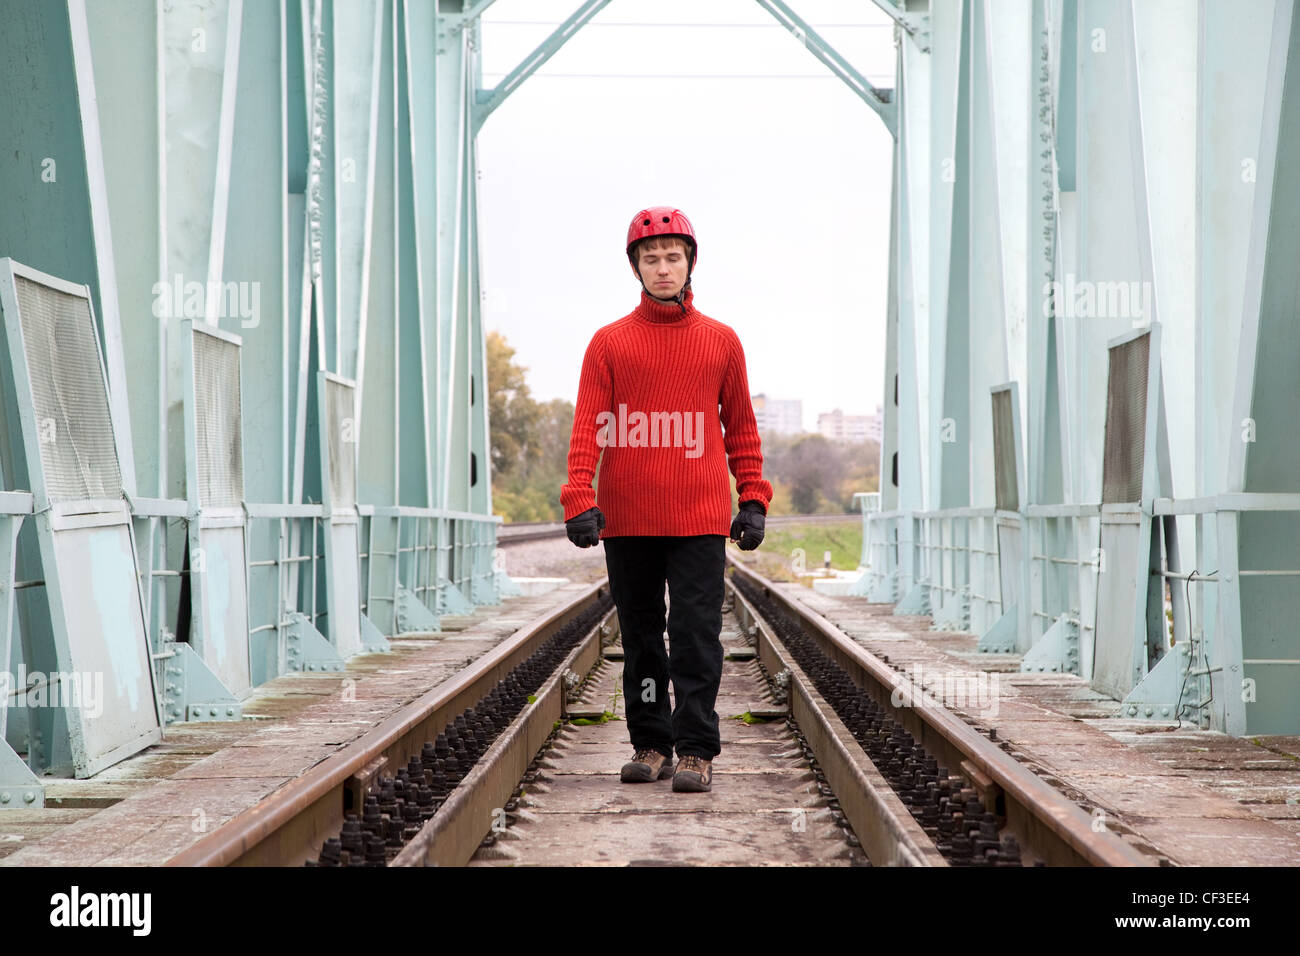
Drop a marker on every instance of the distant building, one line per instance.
(783, 416)
(837, 426)
(877, 430)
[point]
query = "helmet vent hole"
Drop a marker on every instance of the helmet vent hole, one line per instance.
(646, 223)
(666, 219)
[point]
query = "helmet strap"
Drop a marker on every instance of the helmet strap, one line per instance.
(680, 297)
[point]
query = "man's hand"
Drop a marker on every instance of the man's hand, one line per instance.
(584, 529)
(748, 525)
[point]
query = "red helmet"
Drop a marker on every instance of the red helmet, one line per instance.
(662, 221)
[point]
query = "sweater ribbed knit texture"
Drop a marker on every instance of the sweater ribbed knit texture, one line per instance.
(657, 389)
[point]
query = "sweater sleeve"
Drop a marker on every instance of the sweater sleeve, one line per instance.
(744, 449)
(595, 391)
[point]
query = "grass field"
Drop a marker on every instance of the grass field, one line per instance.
(776, 556)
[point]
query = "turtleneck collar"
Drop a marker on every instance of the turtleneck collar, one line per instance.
(666, 313)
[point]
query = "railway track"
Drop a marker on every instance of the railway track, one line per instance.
(514, 760)
(902, 763)
(477, 731)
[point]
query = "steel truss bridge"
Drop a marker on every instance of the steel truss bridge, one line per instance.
(243, 356)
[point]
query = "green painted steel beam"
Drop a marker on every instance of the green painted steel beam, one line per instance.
(1268, 554)
(412, 311)
(427, 39)
(950, 436)
(124, 42)
(478, 9)
(915, 25)
(354, 100)
(486, 101)
(880, 100)
(449, 477)
(378, 381)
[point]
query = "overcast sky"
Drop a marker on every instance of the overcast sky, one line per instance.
(718, 110)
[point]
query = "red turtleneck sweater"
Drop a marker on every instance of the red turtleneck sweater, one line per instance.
(657, 389)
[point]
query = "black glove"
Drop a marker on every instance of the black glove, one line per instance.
(747, 527)
(584, 529)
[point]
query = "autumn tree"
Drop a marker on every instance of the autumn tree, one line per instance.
(811, 474)
(512, 413)
(529, 441)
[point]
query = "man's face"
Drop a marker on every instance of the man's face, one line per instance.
(663, 268)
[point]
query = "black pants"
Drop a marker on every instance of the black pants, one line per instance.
(692, 567)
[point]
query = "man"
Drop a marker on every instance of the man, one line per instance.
(656, 391)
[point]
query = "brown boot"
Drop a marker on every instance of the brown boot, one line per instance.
(647, 766)
(694, 775)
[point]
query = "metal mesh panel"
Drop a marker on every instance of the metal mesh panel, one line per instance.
(74, 429)
(217, 422)
(1004, 453)
(1126, 421)
(341, 421)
